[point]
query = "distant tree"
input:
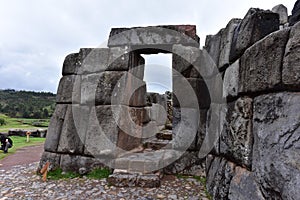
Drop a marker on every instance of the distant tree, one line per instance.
(2, 122)
(45, 113)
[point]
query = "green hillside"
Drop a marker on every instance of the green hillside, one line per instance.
(27, 104)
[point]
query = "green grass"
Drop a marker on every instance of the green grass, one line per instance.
(19, 142)
(21, 123)
(59, 174)
(98, 173)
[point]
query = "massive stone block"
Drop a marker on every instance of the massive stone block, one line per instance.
(281, 10)
(185, 60)
(157, 113)
(131, 121)
(231, 80)
(153, 39)
(190, 93)
(214, 125)
(55, 128)
(102, 134)
(80, 164)
(113, 88)
(218, 177)
(243, 186)
(291, 61)
(237, 138)
(73, 131)
(185, 131)
(260, 66)
(295, 17)
(124, 59)
(191, 62)
(276, 155)
(94, 60)
(53, 158)
(70, 64)
(212, 46)
(69, 89)
(254, 26)
(225, 43)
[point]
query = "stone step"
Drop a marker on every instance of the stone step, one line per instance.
(165, 135)
(157, 144)
(123, 179)
(146, 162)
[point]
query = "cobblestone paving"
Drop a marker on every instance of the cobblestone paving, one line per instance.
(21, 182)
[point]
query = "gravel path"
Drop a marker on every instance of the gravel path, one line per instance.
(21, 182)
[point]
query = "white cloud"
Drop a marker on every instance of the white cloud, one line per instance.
(36, 35)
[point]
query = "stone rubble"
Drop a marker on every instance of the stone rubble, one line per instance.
(21, 182)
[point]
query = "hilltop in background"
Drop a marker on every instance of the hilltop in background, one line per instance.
(27, 104)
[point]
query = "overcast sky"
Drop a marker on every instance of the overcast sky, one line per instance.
(36, 35)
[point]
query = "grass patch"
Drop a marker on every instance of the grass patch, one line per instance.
(98, 173)
(19, 142)
(59, 174)
(21, 123)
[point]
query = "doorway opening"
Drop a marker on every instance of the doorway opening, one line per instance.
(158, 72)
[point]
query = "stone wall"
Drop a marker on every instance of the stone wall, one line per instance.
(256, 153)
(101, 108)
(235, 104)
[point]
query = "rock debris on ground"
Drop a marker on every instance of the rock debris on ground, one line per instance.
(22, 182)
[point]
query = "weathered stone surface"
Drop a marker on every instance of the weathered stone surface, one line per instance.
(254, 26)
(225, 43)
(185, 162)
(88, 88)
(102, 134)
(156, 98)
(243, 186)
(201, 130)
(129, 90)
(295, 17)
(214, 125)
(154, 39)
(186, 61)
(113, 88)
(73, 130)
(110, 84)
(281, 10)
(215, 88)
(79, 164)
(219, 177)
(158, 114)
(237, 138)
(276, 155)
(231, 80)
(53, 158)
(55, 128)
(291, 61)
(190, 93)
(70, 64)
(212, 46)
(184, 133)
(134, 180)
(119, 59)
(260, 66)
(68, 89)
(131, 121)
(95, 61)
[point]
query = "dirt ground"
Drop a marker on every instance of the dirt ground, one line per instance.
(25, 155)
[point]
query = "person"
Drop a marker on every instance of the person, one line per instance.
(6, 143)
